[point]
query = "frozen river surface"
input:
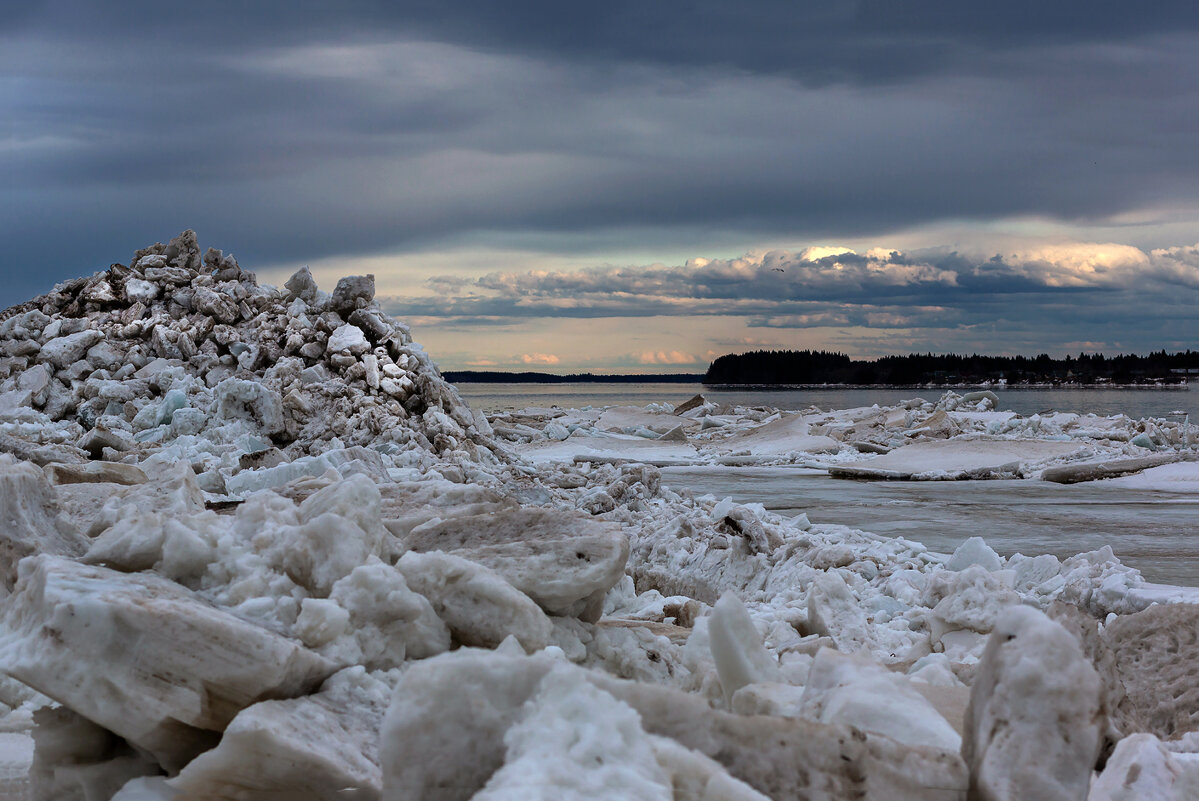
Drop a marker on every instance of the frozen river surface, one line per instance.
(1155, 532)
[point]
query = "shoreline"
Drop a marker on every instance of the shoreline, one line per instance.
(994, 387)
(1183, 387)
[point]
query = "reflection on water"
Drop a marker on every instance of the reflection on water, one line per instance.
(1151, 531)
(1135, 403)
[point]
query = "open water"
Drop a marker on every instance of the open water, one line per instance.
(1154, 532)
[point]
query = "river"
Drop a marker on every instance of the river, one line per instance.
(1133, 402)
(1152, 531)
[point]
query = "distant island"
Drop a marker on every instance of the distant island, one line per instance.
(805, 367)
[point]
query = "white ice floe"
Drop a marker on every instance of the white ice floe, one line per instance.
(1178, 477)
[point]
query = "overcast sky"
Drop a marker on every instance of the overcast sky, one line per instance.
(628, 185)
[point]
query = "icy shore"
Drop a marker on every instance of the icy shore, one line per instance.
(256, 547)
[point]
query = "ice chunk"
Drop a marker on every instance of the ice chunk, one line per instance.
(958, 459)
(176, 494)
(1141, 767)
(442, 738)
(696, 777)
(302, 285)
(16, 760)
(768, 698)
(339, 529)
(353, 292)
(795, 758)
(556, 432)
(577, 743)
(66, 350)
(376, 620)
(1034, 725)
(737, 648)
(76, 760)
(318, 748)
(138, 290)
(342, 460)
(29, 519)
(95, 473)
(834, 612)
(1154, 654)
(142, 656)
(238, 399)
(564, 562)
(349, 339)
(474, 601)
(970, 600)
(148, 788)
(781, 437)
(974, 551)
(844, 688)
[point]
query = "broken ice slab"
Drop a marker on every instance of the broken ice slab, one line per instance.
(562, 561)
(789, 434)
(476, 603)
(443, 737)
(1034, 727)
(959, 459)
(143, 656)
(303, 749)
(95, 473)
(1093, 471)
(29, 519)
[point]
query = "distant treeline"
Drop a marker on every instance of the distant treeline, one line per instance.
(821, 367)
(495, 377)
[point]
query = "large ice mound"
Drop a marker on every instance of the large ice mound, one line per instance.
(188, 354)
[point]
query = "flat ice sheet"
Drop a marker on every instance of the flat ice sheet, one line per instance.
(635, 449)
(959, 459)
(788, 434)
(1178, 477)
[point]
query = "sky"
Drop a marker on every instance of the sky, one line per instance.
(625, 186)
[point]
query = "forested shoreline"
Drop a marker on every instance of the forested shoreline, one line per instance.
(824, 367)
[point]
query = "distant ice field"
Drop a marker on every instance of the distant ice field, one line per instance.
(1133, 402)
(1148, 526)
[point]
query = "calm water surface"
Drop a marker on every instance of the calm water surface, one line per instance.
(1154, 532)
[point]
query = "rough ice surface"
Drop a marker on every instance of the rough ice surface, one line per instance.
(844, 688)
(254, 546)
(1035, 722)
(576, 742)
(1143, 767)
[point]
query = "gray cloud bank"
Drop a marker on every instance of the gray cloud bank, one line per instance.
(1051, 296)
(303, 130)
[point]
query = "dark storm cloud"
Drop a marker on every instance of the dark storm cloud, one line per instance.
(303, 130)
(844, 40)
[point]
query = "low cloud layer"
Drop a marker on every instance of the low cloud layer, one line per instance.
(1043, 297)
